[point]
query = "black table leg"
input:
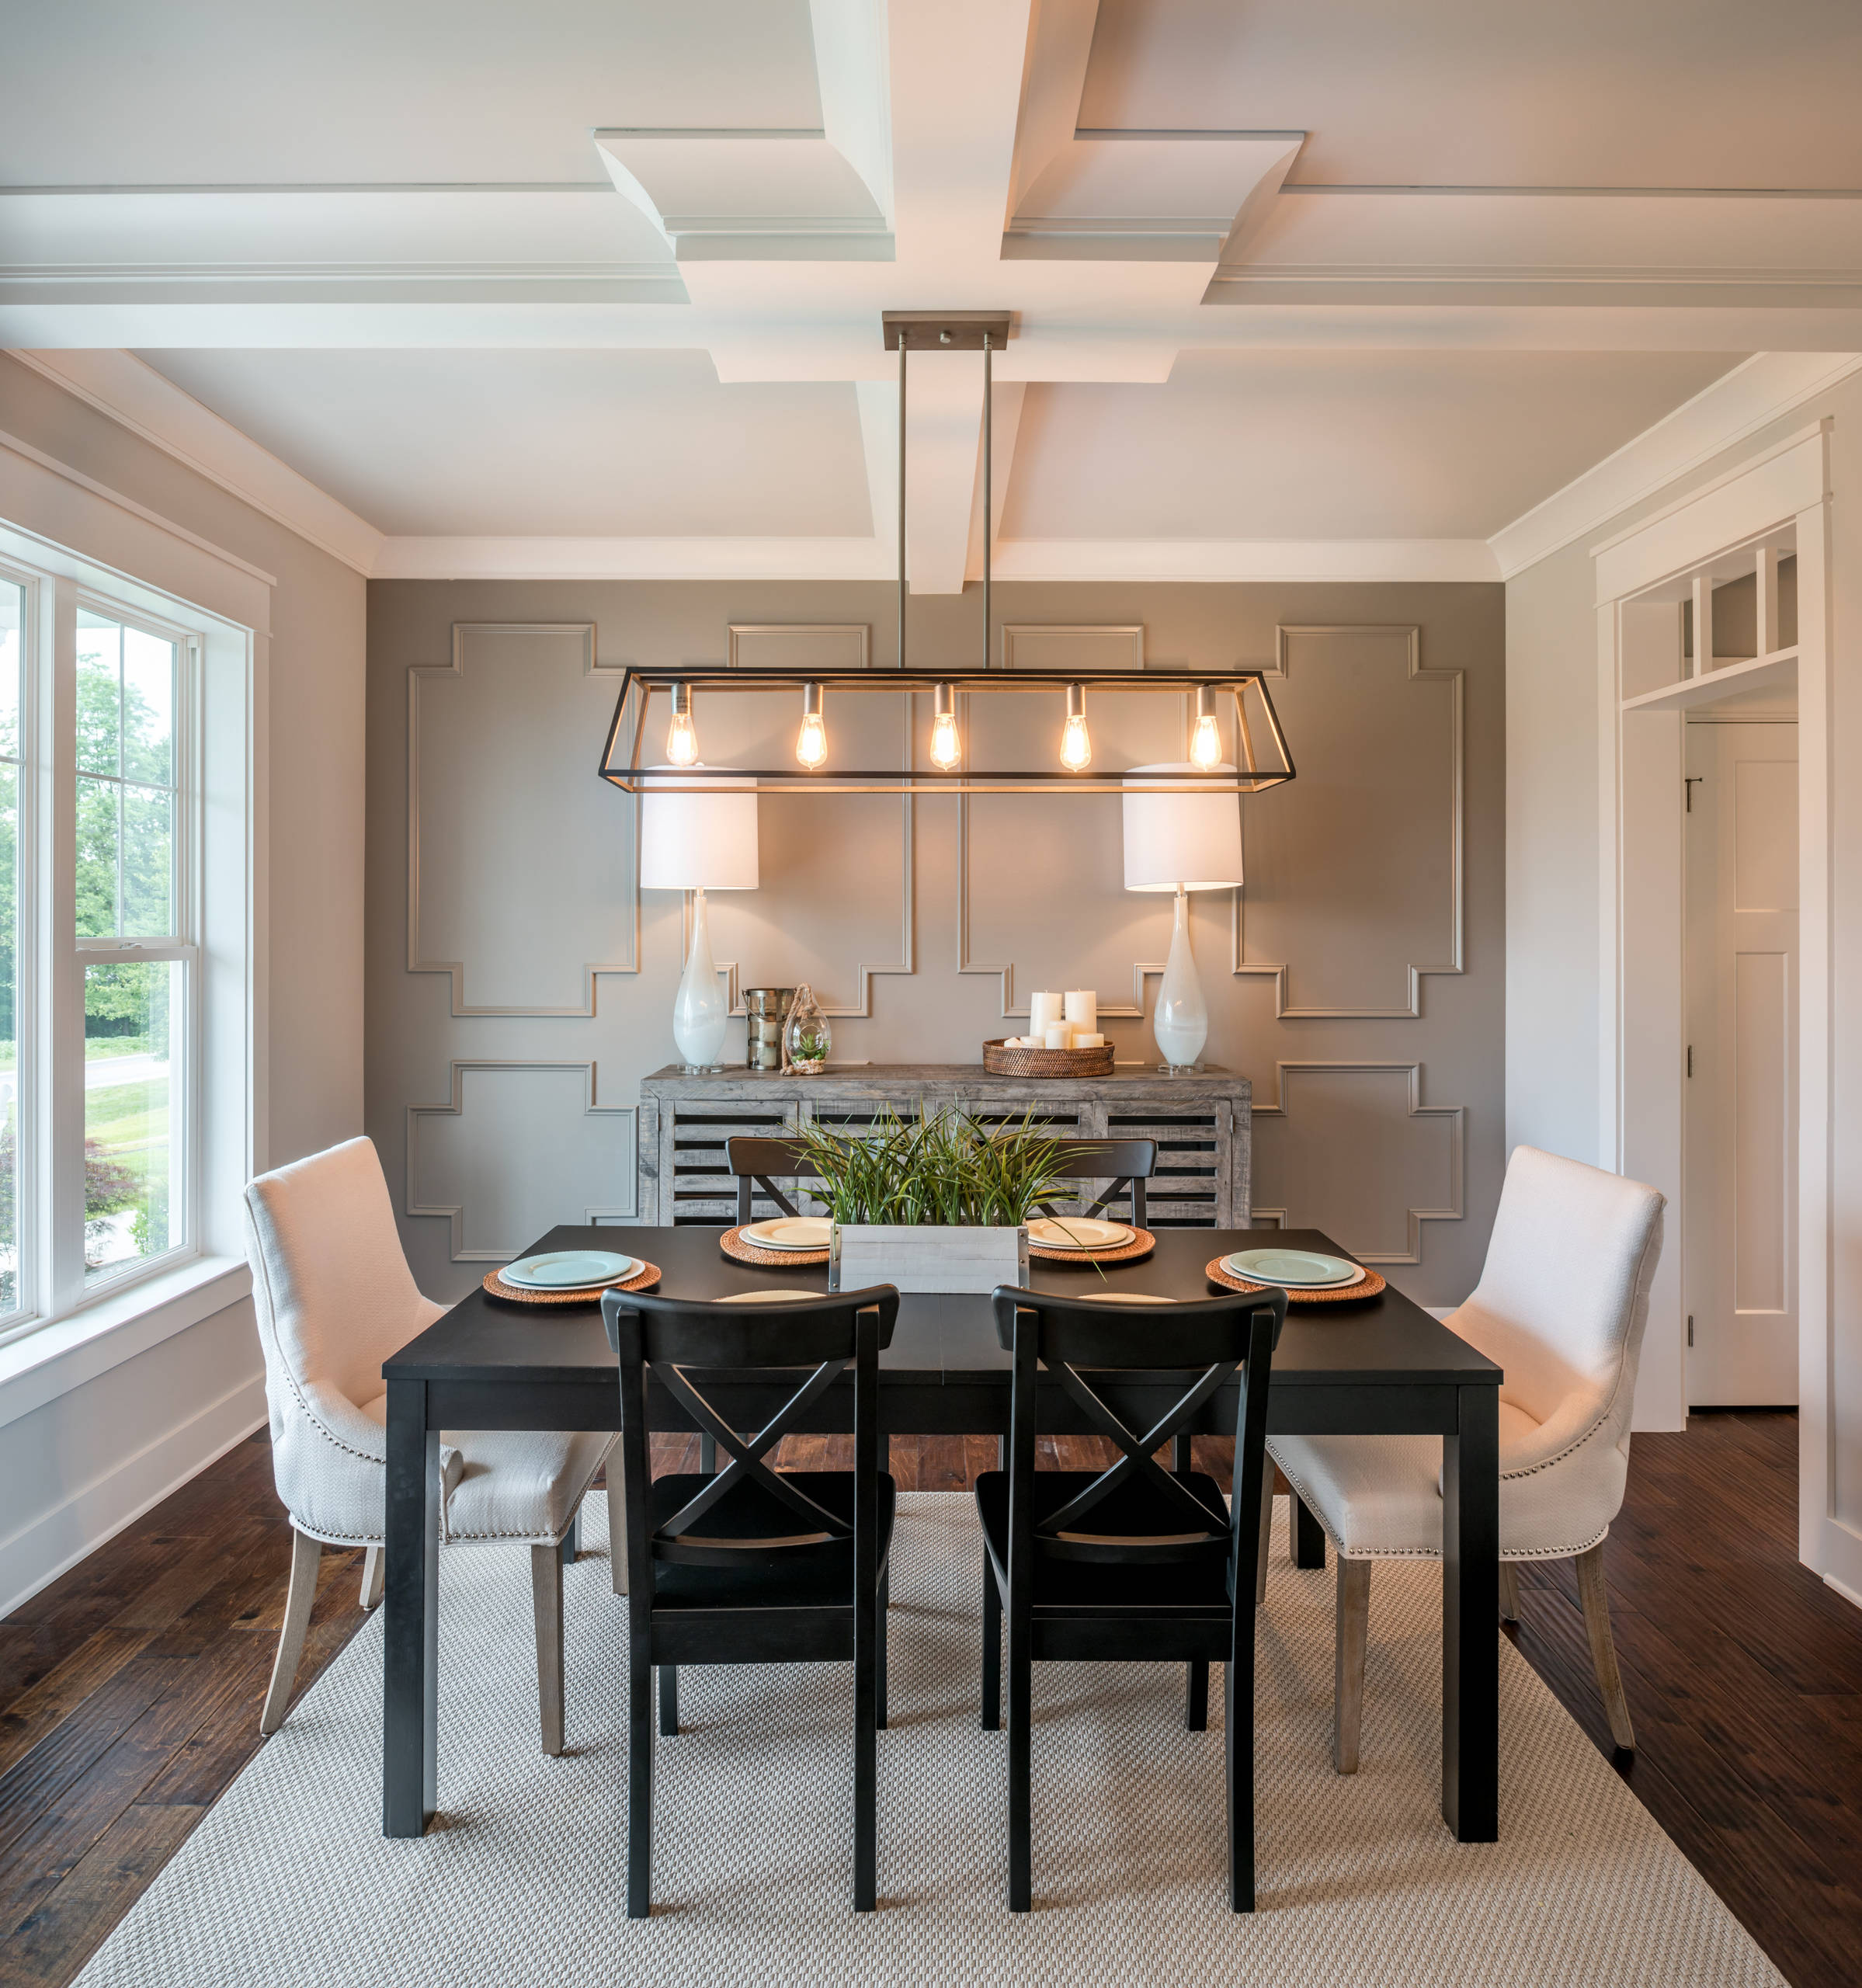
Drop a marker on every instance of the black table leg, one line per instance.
(1308, 1537)
(410, 1609)
(1471, 1600)
(572, 1540)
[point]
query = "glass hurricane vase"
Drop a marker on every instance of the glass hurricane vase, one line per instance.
(806, 1038)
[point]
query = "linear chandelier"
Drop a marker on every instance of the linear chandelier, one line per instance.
(638, 759)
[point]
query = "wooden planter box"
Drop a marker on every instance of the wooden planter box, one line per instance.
(925, 1259)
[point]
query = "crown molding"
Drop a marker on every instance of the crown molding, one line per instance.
(1757, 391)
(516, 558)
(136, 397)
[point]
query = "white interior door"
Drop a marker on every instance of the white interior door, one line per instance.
(1741, 1218)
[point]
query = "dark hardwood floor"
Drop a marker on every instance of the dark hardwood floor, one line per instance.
(131, 1686)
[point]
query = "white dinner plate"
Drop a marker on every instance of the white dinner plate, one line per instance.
(769, 1297)
(1294, 1270)
(570, 1270)
(1077, 1232)
(790, 1232)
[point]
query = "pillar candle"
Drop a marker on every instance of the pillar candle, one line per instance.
(1085, 1041)
(1058, 1036)
(1082, 1008)
(1044, 1012)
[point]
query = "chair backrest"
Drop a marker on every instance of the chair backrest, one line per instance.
(1563, 1298)
(679, 1339)
(1123, 1164)
(335, 1298)
(754, 1160)
(1196, 1350)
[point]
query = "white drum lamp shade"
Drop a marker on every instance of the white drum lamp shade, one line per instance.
(699, 842)
(1181, 842)
(1185, 842)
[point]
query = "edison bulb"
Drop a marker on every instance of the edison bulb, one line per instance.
(682, 740)
(812, 741)
(946, 748)
(1076, 747)
(1206, 745)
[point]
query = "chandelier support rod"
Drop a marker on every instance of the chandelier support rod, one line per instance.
(901, 498)
(988, 479)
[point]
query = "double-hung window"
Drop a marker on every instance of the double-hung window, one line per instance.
(100, 953)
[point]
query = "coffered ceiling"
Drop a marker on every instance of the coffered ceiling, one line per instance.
(596, 287)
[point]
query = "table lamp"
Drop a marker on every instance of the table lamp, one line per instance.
(1181, 842)
(699, 842)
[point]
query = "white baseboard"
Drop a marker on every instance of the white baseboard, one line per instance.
(47, 1545)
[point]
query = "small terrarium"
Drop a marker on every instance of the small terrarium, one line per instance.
(806, 1038)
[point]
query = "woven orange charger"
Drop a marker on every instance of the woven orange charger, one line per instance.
(1369, 1287)
(733, 1245)
(1142, 1244)
(643, 1279)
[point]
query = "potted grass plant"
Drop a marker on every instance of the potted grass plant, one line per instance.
(937, 1203)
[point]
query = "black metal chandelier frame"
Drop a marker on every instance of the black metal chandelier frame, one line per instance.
(1262, 759)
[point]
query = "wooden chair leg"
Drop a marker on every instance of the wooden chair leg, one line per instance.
(992, 1648)
(374, 1564)
(306, 1552)
(1021, 1774)
(668, 1700)
(546, 1602)
(1348, 1663)
(1510, 1592)
(1595, 1597)
(885, 1602)
(1195, 1697)
(640, 1788)
(617, 1525)
(1260, 1559)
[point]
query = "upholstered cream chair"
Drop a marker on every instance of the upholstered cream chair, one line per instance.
(335, 1298)
(1561, 1304)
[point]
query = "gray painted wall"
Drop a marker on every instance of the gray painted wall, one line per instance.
(494, 1124)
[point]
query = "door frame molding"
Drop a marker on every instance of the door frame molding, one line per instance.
(1779, 497)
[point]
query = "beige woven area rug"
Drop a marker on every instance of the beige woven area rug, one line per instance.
(289, 1881)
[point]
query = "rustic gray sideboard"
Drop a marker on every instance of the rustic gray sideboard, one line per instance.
(1200, 1123)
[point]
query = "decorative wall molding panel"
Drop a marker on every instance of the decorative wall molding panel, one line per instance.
(796, 644)
(821, 856)
(1341, 1147)
(1356, 877)
(1037, 645)
(1076, 847)
(519, 901)
(519, 1155)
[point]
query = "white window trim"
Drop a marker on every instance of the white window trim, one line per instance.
(109, 545)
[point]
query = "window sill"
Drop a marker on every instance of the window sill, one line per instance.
(44, 1365)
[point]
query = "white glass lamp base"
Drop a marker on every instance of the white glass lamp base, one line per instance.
(700, 1014)
(1181, 1020)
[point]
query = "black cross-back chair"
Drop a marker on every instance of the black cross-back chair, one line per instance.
(1135, 1561)
(753, 1565)
(1123, 1164)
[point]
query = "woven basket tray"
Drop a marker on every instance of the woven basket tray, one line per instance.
(733, 1245)
(643, 1279)
(1371, 1285)
(1142, 1244)
(1000, 1060)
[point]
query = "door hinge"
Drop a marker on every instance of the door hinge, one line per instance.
(1691, 1059)
(1687, 787)
(1690, 1329)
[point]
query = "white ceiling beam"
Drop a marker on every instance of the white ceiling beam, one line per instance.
(1214, 559)
(943, 445)
(1009, 397)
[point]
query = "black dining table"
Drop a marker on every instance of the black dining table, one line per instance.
(1375, 1366)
